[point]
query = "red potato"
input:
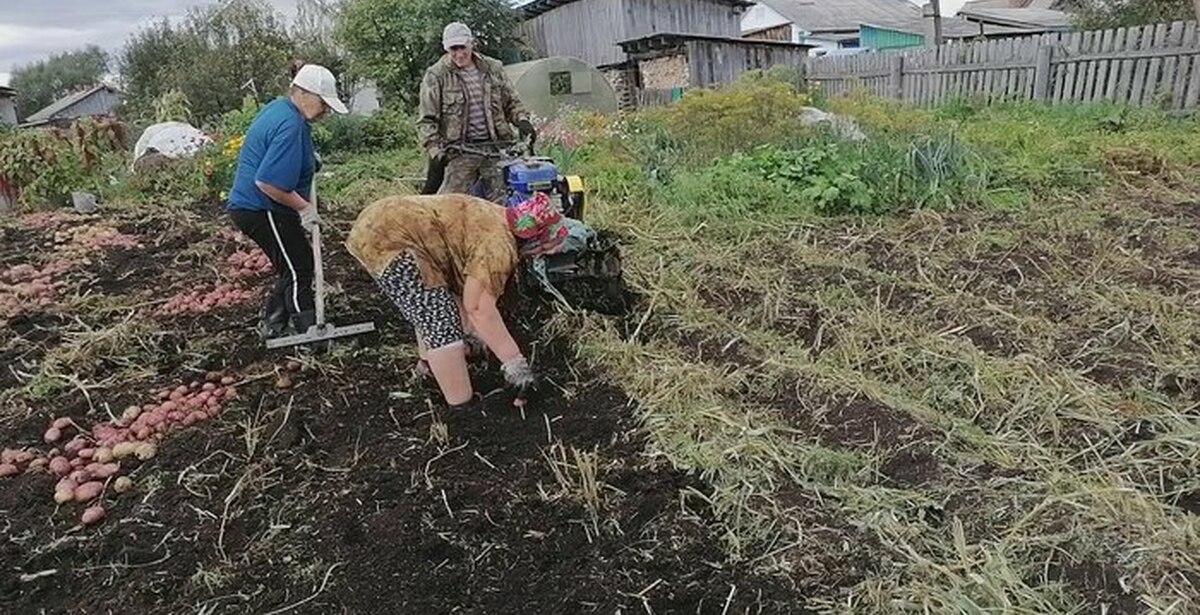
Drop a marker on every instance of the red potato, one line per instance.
(61, 423)
(86, 453)
(8, 455)
(168, 406)
(164, 394)
(74, 446)
(24, 457)
(151, 419)
(37, 464)
(53, 434)
(59, 465)
(227, 380)
(212, 376)
(77, 462)
(208, 386)
(80, 476)
(198, 416)
(88, 491)
(142, 433)
(8, 469)
(102, 471)
(231, 393)
(193, 386)
(92, 515)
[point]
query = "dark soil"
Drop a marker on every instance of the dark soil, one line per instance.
(354, 491)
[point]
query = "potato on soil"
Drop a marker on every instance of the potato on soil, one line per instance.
(283, 382)
(123, 484)
(88, 491)
(8, 469)
(146, 450)
(53, 434)
(60, 466)
(92, 515)
(103, 455)
(124, 449)
(61, 423)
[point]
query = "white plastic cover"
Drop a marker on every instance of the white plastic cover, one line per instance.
(171, 139)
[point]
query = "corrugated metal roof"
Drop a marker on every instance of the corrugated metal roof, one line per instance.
(1019, 18)
(665, 38)
(818, 16)
(48, 112)
(537, 7)
(1013, 4)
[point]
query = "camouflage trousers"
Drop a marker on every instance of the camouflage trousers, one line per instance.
(462, 172)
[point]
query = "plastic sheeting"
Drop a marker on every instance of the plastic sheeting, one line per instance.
(171, 139)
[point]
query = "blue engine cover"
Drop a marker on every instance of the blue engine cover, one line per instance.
(532, 176)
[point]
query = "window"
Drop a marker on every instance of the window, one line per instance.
(560, 83)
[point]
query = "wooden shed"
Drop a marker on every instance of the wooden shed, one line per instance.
(590, 30)
(668, 61)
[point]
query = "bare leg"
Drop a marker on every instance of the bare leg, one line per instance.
(449, 366)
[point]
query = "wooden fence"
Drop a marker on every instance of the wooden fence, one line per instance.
(1155, 65)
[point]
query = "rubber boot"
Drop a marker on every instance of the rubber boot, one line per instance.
(302, 321)
(273, 324)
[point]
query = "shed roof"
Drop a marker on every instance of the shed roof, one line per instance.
(1029, 18)
(1014, 4)
(537, 7)
(49, 111)
(660, 40)
(7, 92)
(952, 27)
(817, 16)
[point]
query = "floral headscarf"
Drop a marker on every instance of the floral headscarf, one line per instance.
(539, 223)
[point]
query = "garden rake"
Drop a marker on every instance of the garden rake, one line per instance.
(321, 331)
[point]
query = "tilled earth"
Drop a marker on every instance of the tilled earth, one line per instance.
(345, 490)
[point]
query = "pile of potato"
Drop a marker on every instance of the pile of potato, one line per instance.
(91, 237)
(48, 219)
(89, 462)
(249, 263)
(203, 301)
(25, 287)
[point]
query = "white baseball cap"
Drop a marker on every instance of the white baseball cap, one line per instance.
(456, 34)
(319, 80)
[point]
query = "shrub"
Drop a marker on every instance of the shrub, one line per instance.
(740, 117)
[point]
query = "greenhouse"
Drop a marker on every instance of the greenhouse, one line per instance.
(550, 85)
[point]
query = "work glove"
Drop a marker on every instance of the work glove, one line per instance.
(309, 219)
(526, 131)
(520, 379)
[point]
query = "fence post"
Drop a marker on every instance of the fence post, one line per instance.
(896, 77)
(1041, 73)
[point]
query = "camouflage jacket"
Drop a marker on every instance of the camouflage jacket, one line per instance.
(442, 113)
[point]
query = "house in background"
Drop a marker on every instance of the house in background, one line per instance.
(98, 100)
(1028, 15)
(696, 42)
(8, 106)
(822, 24)
(844, 26)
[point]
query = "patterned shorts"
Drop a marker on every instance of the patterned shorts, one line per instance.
(431, 311)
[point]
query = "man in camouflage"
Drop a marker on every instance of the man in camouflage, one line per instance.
(467, 98)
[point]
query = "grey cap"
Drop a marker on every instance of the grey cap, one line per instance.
(456, 34)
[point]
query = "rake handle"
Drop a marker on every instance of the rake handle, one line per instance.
(318, 266)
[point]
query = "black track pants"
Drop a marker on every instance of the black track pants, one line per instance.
(282, 238)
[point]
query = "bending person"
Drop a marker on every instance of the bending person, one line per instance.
(432, 254)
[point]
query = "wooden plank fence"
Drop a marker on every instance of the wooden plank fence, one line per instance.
(1155, 65)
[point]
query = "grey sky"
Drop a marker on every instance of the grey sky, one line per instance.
(33, 29)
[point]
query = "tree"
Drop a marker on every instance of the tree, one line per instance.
(1104, 14)
(215, 57)
(41, 83)
(392, 42)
